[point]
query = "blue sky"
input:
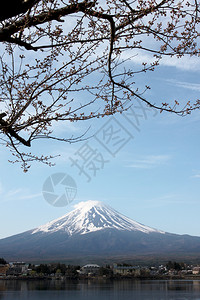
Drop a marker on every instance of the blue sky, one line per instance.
(151, 174)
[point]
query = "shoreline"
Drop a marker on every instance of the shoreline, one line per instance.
(100, 278)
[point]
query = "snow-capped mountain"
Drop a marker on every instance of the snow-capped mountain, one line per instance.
(92, 216)
(94, 231)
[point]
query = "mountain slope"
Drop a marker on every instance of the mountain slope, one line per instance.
(92, 230)
(92, 216)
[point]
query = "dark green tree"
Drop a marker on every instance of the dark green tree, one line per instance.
(3, 261)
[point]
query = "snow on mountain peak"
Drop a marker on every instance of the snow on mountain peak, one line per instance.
(87, 205)
(92, 216)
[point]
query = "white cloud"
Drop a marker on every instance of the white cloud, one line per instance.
(150, 161)
(186, 63)
(196, 176)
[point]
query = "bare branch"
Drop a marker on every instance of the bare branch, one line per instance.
(53, 51)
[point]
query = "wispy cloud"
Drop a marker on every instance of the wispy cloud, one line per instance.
(30, 196)
(185, 63)
(13, 193)
(196, 176)
(64, 127)
(149, 161)
(1, 188)
(17, 194)
(185, 85)
(169, 199)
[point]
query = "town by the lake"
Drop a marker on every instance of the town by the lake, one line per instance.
(60, 271)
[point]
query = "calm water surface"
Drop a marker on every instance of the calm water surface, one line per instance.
(90, 290)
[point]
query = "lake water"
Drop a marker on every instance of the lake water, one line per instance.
(91, 290)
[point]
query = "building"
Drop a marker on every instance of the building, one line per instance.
(196, 270)
(17, 268)
(126, 270)
(90, 269)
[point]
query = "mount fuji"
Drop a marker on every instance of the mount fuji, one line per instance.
(94, 230)
(92, 216)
